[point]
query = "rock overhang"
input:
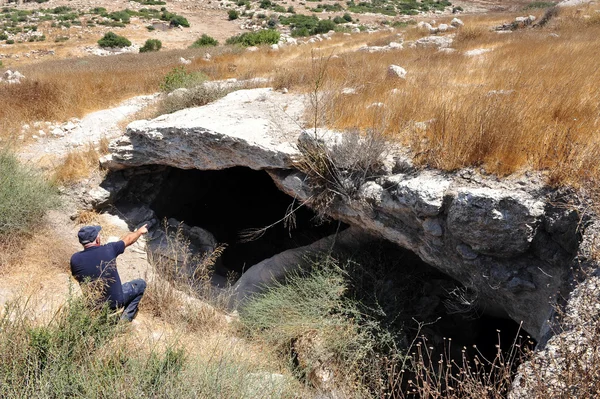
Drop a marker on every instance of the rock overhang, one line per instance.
(491, 235)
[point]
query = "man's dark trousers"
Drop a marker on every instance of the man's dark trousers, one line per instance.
(132, 295)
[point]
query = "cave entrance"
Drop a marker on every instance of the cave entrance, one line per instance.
(229, 203)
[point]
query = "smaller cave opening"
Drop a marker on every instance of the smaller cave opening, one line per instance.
(415, 299)
(233, 204)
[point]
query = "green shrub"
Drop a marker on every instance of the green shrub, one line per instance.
(151, 45)
(120, 16)
(347, 17)
(265, 36)
(174, 19)
(233, 15)
(111, 39)
(25, 196)
(3, 36)
(204, 41)
(10, 41)
(179, 78)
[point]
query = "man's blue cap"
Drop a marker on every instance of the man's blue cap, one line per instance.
(88, 234)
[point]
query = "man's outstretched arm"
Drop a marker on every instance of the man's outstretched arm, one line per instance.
(133, 236)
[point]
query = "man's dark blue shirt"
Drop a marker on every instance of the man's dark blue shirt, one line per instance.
(100, 262)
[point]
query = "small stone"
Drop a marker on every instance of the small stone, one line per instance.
(456, 22)
(466, 252)
(57, 132)
(395, 71)
(433, 227)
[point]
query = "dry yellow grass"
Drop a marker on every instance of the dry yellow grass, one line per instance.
(531, 102)
(78, 165)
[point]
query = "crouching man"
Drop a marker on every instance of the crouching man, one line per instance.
(99, 263)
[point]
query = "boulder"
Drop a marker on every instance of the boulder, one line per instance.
(236, 130)
(424, 26)
(456, 22)
(12, 77)
(433, 41)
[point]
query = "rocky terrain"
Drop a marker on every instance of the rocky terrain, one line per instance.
(229, 174)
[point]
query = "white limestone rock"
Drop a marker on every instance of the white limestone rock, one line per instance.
(396, 72)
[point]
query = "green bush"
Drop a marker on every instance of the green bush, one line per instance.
(233, 15)
(265, 36)
(151, 45)
(111, 39)
(204, 41)
(324, 26)
(179, 78)
(174, 19)
(25, 196)
(10, 41)
(120, 16)
(347, 17)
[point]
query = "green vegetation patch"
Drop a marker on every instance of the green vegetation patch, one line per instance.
(151, 2)
(315, 305)
(179, 78)
(328, 7)
(25, 197)
(265, 36)
(151, 45)
(112, 40)
(304, 25)
(395, 7)
(539, 4)
(204, 41)
(174, 19)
